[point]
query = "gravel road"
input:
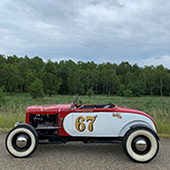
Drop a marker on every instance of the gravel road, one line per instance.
(76, 156)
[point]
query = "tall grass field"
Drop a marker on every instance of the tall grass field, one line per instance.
(157, 107)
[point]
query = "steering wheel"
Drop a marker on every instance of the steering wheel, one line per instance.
(81, 104)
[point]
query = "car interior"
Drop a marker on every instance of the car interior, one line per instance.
(96, 106)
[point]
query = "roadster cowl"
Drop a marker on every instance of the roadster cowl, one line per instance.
(61, 123)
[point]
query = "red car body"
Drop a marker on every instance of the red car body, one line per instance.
(62, 110)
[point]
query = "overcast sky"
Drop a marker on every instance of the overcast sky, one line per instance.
(87, 30)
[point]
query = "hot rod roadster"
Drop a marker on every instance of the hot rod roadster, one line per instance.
(61, 123)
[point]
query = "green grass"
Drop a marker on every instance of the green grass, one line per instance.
(157, 107)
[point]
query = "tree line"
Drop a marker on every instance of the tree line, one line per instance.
(67, 77)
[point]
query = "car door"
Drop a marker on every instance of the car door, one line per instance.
(93, 123)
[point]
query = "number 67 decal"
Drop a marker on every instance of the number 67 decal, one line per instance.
(80, 126)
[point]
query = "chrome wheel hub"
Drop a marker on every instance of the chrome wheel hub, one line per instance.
(140, 144)
(21, 141)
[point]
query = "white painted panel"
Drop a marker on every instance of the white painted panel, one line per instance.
(106, 124)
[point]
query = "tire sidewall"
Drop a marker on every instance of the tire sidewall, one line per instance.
(25, 129)
(127, 141)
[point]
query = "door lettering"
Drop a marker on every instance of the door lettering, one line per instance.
(80, 126)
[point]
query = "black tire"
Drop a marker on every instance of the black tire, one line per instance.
(141, 145)
(22, 141)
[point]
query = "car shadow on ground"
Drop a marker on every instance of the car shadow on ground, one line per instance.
(80, 149)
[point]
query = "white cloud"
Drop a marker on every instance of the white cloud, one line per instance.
(161, 60)
(96, 30)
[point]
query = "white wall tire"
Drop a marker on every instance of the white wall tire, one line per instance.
(31, 143)
(149, 151)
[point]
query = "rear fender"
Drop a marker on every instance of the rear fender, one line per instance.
(136, 124)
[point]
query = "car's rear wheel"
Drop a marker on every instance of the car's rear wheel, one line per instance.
(21, 141)
(141, 145)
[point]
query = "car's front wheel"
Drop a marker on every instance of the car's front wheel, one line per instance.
(141, 145)
(21, 141)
